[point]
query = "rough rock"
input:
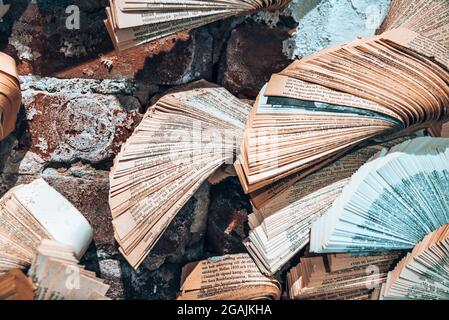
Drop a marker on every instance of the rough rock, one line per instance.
(326, 22)
(37, 34)
(184, 239)
(228, 218)
(68, 121)
(253, 54)
(162, 284)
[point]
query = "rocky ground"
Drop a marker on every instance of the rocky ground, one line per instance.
(81, 101)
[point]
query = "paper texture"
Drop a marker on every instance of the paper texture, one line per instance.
(231, 277)
(370, 89)
(339, 277)
(32, 213)
(58, 276)
(422, 274)
(183, 139)
(10, 94)
(391, 202)
(280, 226)
(131, 23)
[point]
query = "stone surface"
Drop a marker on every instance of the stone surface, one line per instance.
(184, 239)
(326, 22)
(228, 218)
(253, 54)
(175, 60)
(69, 121)
(37, 33)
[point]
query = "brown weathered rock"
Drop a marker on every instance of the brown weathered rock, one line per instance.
(37, 34)
(228, 218)
(253, 54)
(69, 121)
(174, 60)
(184, 239)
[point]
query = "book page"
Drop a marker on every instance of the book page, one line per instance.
(57, 215)
(223, 276)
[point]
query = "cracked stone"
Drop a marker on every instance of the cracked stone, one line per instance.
(228, 218)
(36, 33)
(184, 239)
(253, 54)
(323, 23)
(68, 125)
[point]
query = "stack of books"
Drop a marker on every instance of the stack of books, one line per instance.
(377, 88)
(280, 227)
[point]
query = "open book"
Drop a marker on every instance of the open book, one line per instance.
(280, 226)
(14, 285)
(134, 22)
(182, 140)
(376, 88)
(33, 212)
(339, 277)
(423, 273)
(392, 202)
(10, 94)
(231, 277)
(58, 276)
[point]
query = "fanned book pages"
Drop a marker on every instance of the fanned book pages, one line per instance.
(14, 285)
(324, 105)
(182, 140)
(280, 227)
(428, 18)
(424, 273)
(391, 203)
(33, 212)
(58, 276)
(231, 277)
(340, 277)
(10, 94)
(134, 22)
